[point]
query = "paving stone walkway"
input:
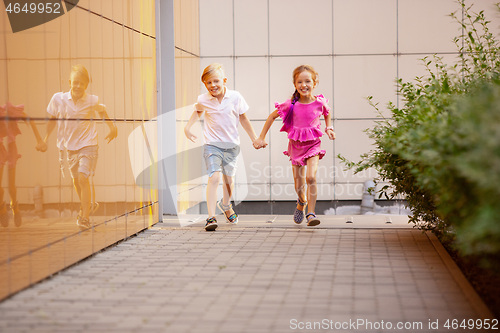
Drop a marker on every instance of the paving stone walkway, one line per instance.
(263, 275)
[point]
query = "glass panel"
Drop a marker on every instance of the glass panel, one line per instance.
(187, 88)
(67, 188)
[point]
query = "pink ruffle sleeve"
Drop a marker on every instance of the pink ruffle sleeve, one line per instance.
(283, 109)
(324, 101)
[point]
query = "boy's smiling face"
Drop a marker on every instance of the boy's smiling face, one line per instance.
(216, 84)
(78, 84)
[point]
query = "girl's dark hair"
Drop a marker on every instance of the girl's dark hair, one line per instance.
(288, 119)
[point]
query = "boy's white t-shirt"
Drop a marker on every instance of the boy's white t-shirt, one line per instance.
(76, 130)
(222, 119)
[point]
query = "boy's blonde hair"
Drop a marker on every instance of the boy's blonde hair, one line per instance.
(211, 70)
(80, 69)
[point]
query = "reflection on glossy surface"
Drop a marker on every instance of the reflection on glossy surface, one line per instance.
(77, 141)
(9, 116)
(30, 253)
(44, 192)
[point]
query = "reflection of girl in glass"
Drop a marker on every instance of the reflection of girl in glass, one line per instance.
(9, 115)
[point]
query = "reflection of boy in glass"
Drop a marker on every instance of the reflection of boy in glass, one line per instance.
(9, 115)
(77, 134)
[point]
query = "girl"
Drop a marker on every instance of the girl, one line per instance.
(301, 120)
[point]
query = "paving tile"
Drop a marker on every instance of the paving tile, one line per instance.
(256, 278)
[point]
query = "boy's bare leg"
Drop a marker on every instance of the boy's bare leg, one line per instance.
(85, 194)
(228, 192)
(213, 183)
(312, 188)
(93, 204)
(78, 189)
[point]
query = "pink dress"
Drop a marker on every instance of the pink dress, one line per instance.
(304, 133)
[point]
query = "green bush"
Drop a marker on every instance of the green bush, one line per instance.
(441, 150)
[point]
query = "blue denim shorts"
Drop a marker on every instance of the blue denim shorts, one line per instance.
(82, 161)
(221, 159)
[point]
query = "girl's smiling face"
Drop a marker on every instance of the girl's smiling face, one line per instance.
(216, 84)
(304, 83)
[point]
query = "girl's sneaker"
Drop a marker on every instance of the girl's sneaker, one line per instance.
(298, 216)
(312, 220)
(211, 224)
(232, 218)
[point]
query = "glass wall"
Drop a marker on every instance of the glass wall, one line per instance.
(69, 187)
(187, 85)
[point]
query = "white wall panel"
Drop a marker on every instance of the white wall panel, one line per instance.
(357, 77)
(251, 79)
(300, 27)
(358, 47)
(251, 27)
(365, 26)
(426, 27)
(216, 28)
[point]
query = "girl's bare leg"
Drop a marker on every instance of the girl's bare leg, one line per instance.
(78, 189)
(312, 187)
(299, 179)
(85, 195)
(4, 220)
(13, 195)
(1, 179)
(12, 184)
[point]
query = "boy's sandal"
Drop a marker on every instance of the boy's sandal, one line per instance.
(211, 224)
(312, 220)
(298, 215)
(233, 218)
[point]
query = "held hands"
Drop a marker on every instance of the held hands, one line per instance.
(41, 146)
(259, 143)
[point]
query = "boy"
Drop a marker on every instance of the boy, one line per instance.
(224, 109)
(77, 134)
